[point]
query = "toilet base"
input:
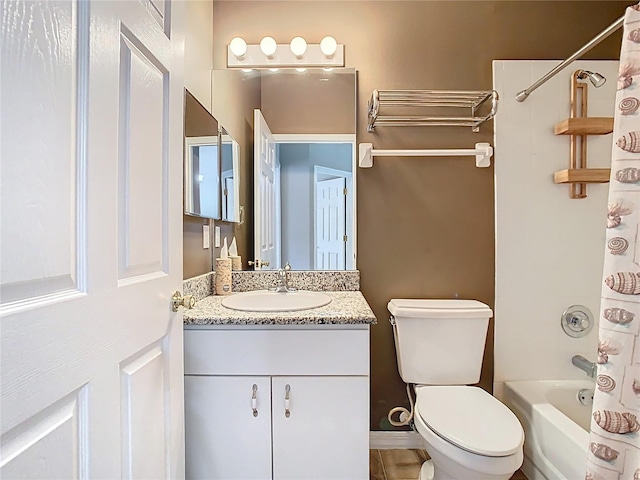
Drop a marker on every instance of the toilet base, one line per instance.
(426, 471)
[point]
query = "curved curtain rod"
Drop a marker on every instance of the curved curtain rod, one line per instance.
(522, 96)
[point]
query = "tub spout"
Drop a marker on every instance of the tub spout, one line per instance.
(590, 368)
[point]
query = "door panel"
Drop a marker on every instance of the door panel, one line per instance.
(321, 419)
(143, 380)
(92, 362)
(61, 429)
(42, 165)
(225, 440)
(142, 165)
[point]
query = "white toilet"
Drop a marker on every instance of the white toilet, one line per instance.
(469, 434)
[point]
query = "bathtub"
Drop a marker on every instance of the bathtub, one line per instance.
(556, 426)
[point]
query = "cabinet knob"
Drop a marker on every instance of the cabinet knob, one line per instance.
(254, 400)
(287, 401)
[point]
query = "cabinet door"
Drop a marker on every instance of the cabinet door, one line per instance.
(224, 440)
(326, 435)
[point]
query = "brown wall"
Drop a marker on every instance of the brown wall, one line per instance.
(234, 110)
(294, 103)
(425, 226)
(198, 122)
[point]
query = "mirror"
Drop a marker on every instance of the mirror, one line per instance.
(312, 116)
(211, 172)
(230, 176)
(202, 163)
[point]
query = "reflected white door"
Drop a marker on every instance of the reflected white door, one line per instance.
(91, 240)
(330, 224)
(266, 196)
(228, 196)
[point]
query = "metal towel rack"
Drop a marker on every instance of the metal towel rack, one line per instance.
(434, 102)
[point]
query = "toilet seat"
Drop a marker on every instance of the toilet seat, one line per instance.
(471, 419)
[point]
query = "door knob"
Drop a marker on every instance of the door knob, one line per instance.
(177, 301)
(259, 263)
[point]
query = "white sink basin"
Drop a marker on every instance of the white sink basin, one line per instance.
(267, 301)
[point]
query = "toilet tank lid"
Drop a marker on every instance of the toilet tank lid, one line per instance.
(445, 308)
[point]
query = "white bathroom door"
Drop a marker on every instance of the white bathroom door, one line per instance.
(266, 195)
(91, 241)
(331, 224)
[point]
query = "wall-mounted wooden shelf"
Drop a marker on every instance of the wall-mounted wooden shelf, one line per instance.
(578, 126)
(584, 126)
(582, 175)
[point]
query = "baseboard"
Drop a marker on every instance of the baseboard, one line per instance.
(388, 440)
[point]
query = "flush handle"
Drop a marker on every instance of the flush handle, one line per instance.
(287, 401)
(254, 400)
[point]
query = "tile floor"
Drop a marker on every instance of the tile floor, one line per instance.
(403, 465)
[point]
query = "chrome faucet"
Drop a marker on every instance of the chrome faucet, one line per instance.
(590, 368)
(283, 283)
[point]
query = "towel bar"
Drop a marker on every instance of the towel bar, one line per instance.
(483, 153)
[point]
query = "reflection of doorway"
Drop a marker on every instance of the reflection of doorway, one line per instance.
(285, 196)
(201, 176)
(333, 220)
(304, 161)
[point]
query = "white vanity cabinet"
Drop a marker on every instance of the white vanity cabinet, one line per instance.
(319, 374)
(224, 439)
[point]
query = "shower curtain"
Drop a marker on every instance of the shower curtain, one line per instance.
(614, 443)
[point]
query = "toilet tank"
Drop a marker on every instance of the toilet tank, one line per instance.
(440, 342)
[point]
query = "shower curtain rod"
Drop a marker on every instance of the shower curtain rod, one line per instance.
(522, 96)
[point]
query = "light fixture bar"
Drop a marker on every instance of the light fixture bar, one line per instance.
(284, 57)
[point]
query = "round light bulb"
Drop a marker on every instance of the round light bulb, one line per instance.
(301, 70)
(274, 69)
(328, 46)
(268, 46)
(238, 47)
(298, 46)
(247, 70)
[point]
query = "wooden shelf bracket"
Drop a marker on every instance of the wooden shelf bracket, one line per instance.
(579, 126)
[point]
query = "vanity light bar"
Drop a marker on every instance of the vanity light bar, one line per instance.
(284, 57)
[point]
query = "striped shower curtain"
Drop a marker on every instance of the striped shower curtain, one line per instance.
(614, 443)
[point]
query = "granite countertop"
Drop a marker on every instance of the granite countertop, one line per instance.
(345, 308)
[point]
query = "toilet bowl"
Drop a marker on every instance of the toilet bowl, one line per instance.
(469, 434)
